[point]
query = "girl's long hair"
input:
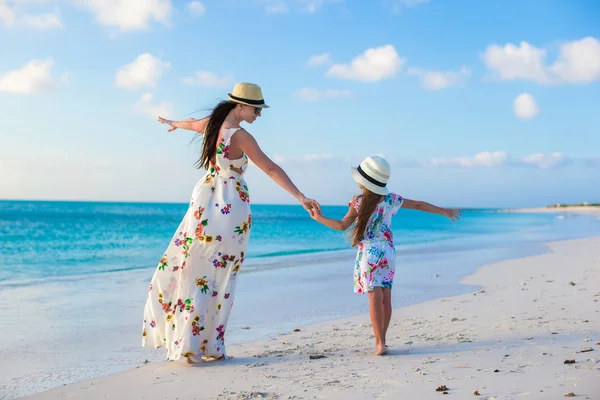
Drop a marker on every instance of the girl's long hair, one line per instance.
(211, 133)
(368, 203)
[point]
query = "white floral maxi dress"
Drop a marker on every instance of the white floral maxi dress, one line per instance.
(192, 291)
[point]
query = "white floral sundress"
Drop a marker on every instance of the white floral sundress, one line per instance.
(192, 291)
(376, 259)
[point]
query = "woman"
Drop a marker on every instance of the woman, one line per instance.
(192, 290)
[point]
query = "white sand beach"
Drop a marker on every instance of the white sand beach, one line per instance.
(508, 340)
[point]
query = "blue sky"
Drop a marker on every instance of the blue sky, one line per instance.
(484, 104)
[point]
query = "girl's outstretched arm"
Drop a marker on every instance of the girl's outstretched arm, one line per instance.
(430, 208)
(338, 225)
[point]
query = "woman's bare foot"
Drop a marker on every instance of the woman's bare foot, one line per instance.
(189, 361)
(381, 350)
(212, 359)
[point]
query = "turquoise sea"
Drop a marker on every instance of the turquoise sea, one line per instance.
(74, 276)
(45, 240)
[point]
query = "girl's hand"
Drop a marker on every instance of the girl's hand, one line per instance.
(168, 122)
(452, 213)
(315, 213)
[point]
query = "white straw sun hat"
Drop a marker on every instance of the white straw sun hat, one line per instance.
(249, 94)
(374, 174)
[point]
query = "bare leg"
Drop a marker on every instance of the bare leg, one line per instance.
(387, 310)
(376, 311)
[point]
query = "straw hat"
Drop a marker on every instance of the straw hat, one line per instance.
(249, 94)
(373, 173)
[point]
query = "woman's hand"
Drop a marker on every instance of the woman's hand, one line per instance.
(168, 122)
(309, 204)
(191, 124)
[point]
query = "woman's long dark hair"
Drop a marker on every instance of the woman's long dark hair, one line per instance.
(368, 204)
(211, 133)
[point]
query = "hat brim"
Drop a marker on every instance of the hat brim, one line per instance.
(244, 103)
(370, 186)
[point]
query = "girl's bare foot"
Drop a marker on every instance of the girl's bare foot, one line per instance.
(381, 349)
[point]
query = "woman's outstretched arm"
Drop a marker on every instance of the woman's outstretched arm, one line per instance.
(250, 147)
(191, 124)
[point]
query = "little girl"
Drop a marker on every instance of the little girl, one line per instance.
(376, 259)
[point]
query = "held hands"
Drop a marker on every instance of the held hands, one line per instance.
(453, 213)
(310, 205)
(315, 213)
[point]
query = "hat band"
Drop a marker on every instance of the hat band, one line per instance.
(367, 177)
(249, 101)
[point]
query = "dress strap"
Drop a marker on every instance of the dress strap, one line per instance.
(228, 133)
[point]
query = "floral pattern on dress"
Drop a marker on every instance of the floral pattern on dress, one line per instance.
(375, 262)
(193, 288)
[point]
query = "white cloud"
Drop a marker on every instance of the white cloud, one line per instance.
(512, 62)
(500, 158)
(525, 106)
(278, 7)
(144, 71)
(578, 62)
(196, 8)
(34, 77)
(309, 94)
(319, 59)
(125, 15)
(206, 78)
(483, 159)
(436, 80)
(373, 65)
(128, 15)
(145, 106)
(11, 15)
(545, 161)
(7, 14)
(43, 21)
